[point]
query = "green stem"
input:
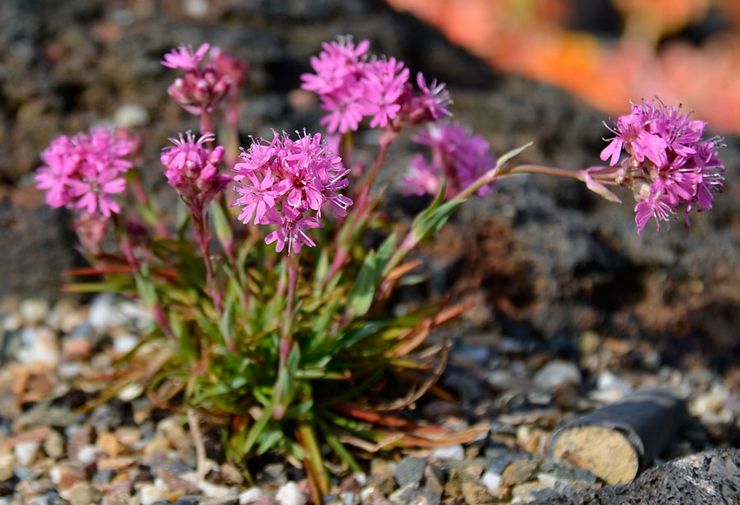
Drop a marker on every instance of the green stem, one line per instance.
(315, 462)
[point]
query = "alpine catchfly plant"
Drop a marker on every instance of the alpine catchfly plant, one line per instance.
(271, 272)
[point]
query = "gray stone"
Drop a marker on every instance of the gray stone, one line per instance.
(557, 374)
(409, 470)
(711, 477)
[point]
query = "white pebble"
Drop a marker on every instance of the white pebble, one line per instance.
(252, 495)
(219, 492)
(449, 452)
(25, 452)
(130, 392)
(104, 313)
(88, 454)
(131, 116)
(152, 493)
(39, 347)
(34, 310)
(290, 494)
(491, 480)
(125, 343)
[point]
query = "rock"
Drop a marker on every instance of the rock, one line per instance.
(54, 445)
(6, 466)
(449, 452)
(76, 348)
(124, 343)
(557, 374)
(131, 116)
(382, 476)
(152, 493)
(45, 415)
(130, 392)
(36, 245)
(66, 476)
(104, 314)
(34, 311)
(409, 470)
(528, 492)
(25, 452)
(491, 480)
(39, 348)
(475, 493)
(108, 443)
(708, 477)
(519, 471)
(219, 492)
(290, 494)
(404, 495)
(252, 495)
(88, 454)
(81, 493)
(610, 388)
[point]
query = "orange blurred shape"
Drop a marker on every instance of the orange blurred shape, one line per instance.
(527, 37)
(651, 19)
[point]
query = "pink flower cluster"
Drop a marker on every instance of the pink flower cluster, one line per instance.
(353, 86)
(85, 172)
(669, 164)
(192, 169)
(203, 87)
(458, 158)
(287, 183)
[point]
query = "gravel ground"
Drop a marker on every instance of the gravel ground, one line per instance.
(59, 358)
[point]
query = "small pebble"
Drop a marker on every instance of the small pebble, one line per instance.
(557, 374)
(54, 445)
(124, 344)
(491, 480)
(253, 494)
(6, 466)
(25, 452)
(152, 493)
(131, 116)
(34, 311)
(409, 470)
(290, 494)
(220, 492)
(88, 454)
(449, 452)
(130, 392)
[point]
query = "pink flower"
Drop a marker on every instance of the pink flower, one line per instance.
(383, 85)
(291, 235)
(202, 87)
(432, 103)
(191, 168)
(354, 86)
(85, 172)
(288, 182)
(184, 58)
(339, 64)
(668, 163)
(458, 157)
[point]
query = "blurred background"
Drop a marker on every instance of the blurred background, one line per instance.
(607, 51)
(540, 258)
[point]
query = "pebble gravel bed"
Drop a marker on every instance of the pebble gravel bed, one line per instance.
(55, 358)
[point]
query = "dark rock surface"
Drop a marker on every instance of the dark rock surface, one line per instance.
(540, 258)
(707, 478)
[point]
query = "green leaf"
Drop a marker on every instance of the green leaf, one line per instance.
(360, 298)
(511, 154)
(222, 224)
(434, 217)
